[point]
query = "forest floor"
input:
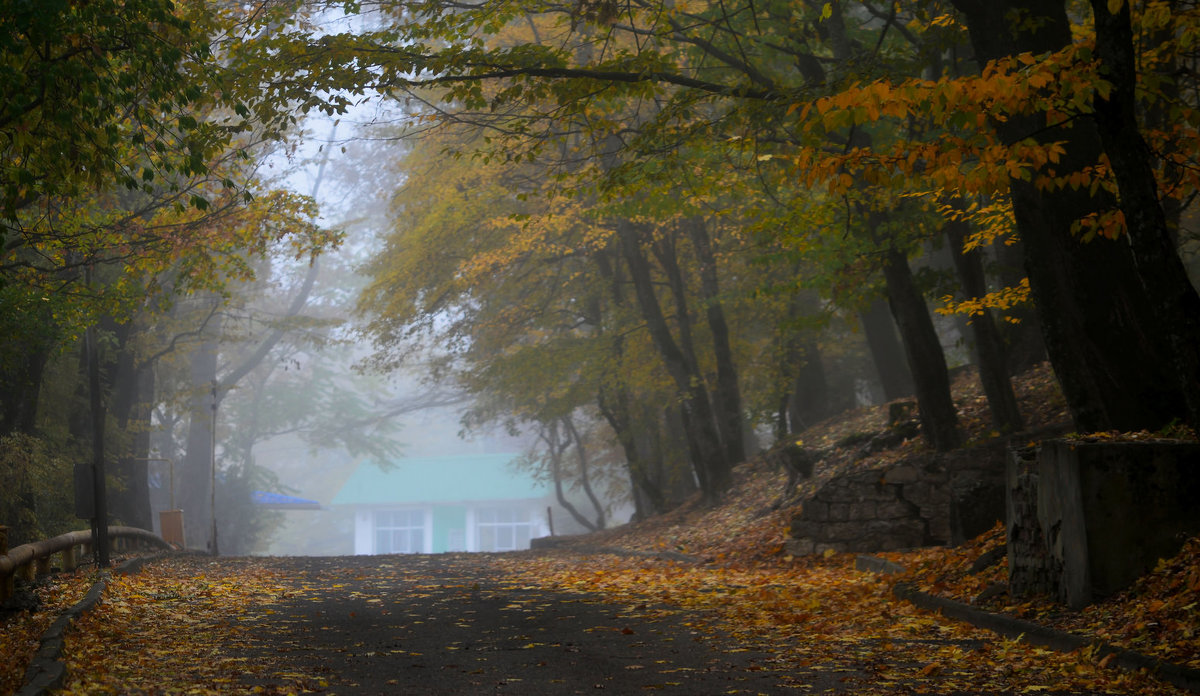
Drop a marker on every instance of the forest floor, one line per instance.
(718, 575)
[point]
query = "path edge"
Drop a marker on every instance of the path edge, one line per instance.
(46, 671)
(1035, 634)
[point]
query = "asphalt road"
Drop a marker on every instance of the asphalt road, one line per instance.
(441, 625)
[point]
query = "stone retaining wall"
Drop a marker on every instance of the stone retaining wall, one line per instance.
(926, 501)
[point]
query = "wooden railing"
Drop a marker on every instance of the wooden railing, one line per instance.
(28, 561)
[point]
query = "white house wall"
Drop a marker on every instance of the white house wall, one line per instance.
(364, 533)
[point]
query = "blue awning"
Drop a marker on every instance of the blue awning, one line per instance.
(279, 501)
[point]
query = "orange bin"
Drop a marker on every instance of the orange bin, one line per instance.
(171, 523)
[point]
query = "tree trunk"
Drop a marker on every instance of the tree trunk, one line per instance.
(556, 447)
(927, 362)
(703, 441)
(886, 351)
(585, 479)
(1112, 312)
(989, 346)
(648, 498)
(613, 400)
(727, 396)
(1175, 322)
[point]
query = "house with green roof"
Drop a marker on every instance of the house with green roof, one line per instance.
(442, 504)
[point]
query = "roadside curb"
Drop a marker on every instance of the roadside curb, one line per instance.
(46, 671)
(1032, 633)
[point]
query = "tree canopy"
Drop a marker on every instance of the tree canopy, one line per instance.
(673, 225)
(856, 136)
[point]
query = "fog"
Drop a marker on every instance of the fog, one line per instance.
(313, 414)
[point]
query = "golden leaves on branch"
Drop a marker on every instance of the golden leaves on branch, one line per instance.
(1003, 299)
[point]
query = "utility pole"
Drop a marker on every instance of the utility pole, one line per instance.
(99, 493)
(212, 502)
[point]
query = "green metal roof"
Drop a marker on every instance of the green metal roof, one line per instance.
(454, 479)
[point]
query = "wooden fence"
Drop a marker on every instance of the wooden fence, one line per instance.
(31, 560)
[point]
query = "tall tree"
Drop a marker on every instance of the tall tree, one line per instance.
(1119, 295)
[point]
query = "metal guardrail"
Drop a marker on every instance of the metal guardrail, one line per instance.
(28, 561)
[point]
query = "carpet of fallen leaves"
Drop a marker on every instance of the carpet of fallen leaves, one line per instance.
(39, 605)
(197, 626)
(1159, 615)
(209, 608)
(822, 615)
(811, 613)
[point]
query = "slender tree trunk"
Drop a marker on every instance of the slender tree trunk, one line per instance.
(727, 396)
(704, 443)
(939, 417)
(556, 448)
(1113, 313)
(613, 400)
(886, 351)
(989, 346)
(585, 479)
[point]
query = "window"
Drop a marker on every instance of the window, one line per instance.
(504, 529)
(399, 531)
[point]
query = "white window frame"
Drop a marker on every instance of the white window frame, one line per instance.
(496, 521)
(416, 526)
